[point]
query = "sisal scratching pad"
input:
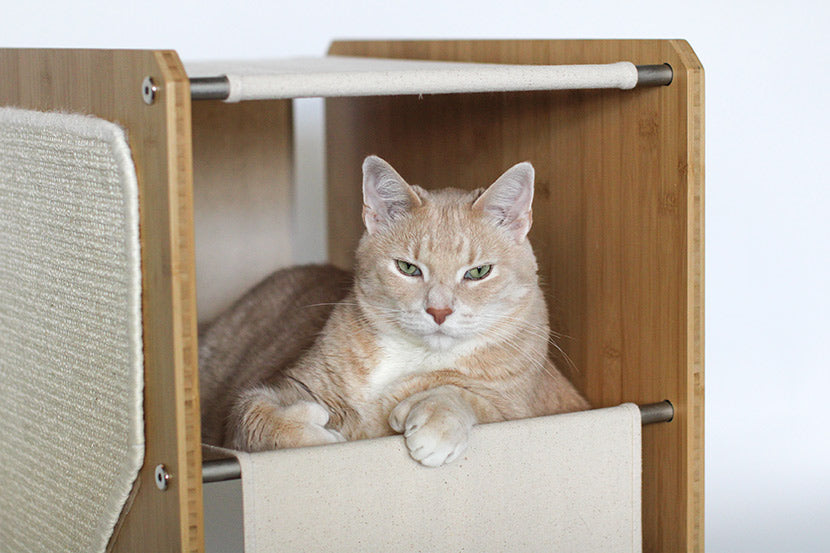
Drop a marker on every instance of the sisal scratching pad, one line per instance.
(71, 365)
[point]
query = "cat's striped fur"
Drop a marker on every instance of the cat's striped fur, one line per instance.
(308, 358)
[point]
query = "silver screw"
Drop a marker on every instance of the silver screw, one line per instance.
(149, 90)
(162, 477)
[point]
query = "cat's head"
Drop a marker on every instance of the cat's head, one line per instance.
(445, 266)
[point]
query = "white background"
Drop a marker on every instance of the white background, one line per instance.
(767, 198)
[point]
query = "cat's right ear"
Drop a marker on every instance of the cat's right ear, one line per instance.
(508, 200)
(386, 196)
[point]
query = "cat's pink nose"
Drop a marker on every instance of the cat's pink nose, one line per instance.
(439, 314)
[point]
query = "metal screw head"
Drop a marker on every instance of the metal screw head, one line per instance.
(149, 90)
(162, 477)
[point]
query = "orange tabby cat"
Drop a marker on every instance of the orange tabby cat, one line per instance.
(444, 326)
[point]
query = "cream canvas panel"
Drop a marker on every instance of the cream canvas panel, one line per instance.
(566, 483)
(71, 365)
(332, 76)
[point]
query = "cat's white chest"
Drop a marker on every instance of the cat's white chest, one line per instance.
(399, 359)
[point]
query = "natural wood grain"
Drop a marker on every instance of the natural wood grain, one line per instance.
(618, 224)
(242, 167)
(107, 84)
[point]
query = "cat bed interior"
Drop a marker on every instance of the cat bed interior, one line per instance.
(332, 76)
(71, 369)
(561, 483)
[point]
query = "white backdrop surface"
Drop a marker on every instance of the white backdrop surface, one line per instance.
(767, 197)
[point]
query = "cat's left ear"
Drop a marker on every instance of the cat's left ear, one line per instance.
(508, 200)
(386, 196)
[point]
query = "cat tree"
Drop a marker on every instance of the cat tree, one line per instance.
(618, 227)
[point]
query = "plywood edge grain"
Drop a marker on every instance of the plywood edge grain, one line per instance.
(183, 263)
(695, 122)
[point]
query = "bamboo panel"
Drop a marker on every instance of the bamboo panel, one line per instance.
(618, 224)
(243, 194)
(107, 84)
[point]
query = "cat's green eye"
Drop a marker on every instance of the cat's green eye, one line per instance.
(408, 268)
(478, 273)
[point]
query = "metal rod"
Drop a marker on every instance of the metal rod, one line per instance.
(219, 470)
(654, 75)
(210, 88)
(656, 412)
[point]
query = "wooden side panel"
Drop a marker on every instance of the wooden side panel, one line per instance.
(243, 175)
(107, 84)
(618, 224)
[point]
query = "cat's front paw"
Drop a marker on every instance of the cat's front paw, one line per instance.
(266, 425)
(436, 427)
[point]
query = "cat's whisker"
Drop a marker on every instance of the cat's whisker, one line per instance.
(525, 327)
(538, 331)
(320, 304)
(376, 307)
(526, 322)
(534, 362)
